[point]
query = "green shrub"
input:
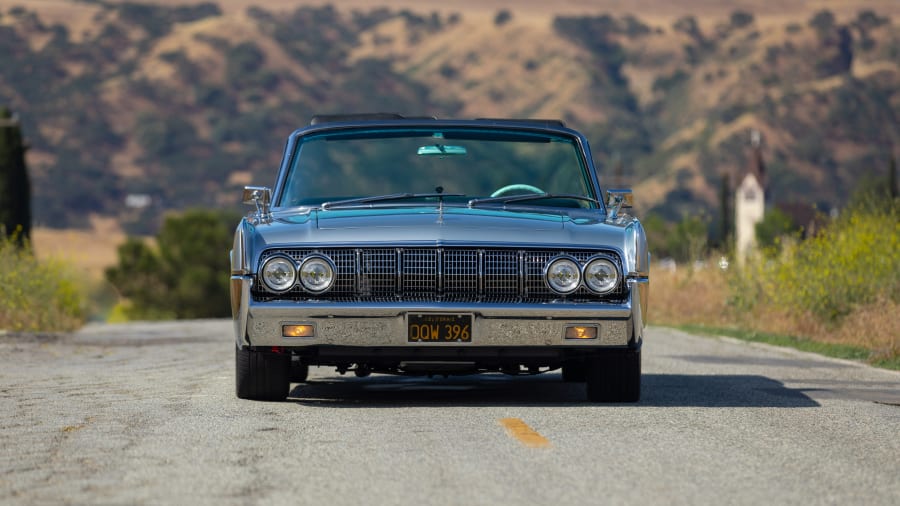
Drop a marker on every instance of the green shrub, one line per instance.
(502, 17)
(775, 225)
(684, 241)
(37, 296)
(851, 263)
(185, 276)
(740, 19)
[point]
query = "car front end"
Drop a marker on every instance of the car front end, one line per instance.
(467, 272)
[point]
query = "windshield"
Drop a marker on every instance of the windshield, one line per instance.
(454, 165)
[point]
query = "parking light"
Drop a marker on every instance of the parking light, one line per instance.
(299, 330)
(581, 332)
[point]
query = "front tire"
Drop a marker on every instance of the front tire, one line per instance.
(614, 377)
(262, 376)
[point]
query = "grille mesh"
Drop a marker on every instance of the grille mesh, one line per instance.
(441, 274)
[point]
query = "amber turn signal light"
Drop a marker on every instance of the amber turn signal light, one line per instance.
(578, 332)
(298, 330)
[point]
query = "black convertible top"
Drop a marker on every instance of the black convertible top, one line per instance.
(319, 119)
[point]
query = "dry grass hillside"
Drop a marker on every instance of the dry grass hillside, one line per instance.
(542, 8)
(185, 101)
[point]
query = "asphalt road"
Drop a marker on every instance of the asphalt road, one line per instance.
(146, 413)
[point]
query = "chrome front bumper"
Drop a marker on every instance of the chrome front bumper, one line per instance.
(384, 324)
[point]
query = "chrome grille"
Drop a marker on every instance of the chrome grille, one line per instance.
(419, 272)
(491, 275)
(501, 273)
(345, 262)
(461, 273)
(378, 273)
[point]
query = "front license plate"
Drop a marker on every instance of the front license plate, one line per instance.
(439, 328)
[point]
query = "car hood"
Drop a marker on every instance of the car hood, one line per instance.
(436, 226)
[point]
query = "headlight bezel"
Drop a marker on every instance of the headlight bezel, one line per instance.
(328, 262)
(561, 260)
(285, 260)
(585, 279)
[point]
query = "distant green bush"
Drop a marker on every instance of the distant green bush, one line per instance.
(740, 19)
(502, 17)
(185, 275)
(242, 62)
(666, 83)
(158, 20)
(823, 21)
(37, 296)
(775, 225)
(851, 263)
(685, 241)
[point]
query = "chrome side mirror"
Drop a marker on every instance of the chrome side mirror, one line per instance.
(616, 200)
(261, 197)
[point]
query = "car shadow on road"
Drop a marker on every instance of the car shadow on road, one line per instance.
(668, 390)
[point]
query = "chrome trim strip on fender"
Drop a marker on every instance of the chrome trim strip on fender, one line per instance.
(242, 316)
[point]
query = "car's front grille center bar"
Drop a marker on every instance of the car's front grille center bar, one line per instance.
(440, 271)
(480, 273)
(357, 277)
(441, 274)
(522, 286)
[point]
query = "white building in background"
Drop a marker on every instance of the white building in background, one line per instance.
(138, 200)
(750, 200)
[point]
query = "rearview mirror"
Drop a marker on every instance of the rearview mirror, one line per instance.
(441, 150)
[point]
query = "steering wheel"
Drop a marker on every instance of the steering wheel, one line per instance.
(517, 188)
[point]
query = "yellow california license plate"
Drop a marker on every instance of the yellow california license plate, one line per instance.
(439, 328)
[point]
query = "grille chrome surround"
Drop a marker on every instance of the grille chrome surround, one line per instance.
(442, 274)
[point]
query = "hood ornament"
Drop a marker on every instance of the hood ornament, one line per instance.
(440, 190)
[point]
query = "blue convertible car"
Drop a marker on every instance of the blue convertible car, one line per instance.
(423, 246)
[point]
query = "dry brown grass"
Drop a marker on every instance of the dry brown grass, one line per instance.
(700, 297)
(89, 252)
(688, 296)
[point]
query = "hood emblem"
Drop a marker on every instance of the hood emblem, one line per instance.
(439, 190)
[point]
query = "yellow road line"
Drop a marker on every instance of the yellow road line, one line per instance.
(526, 435)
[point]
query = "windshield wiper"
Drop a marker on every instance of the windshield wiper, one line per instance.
(531, 196)
(383, 198)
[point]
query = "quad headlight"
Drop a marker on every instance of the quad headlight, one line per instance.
(601, 275)
(279, 273)
(317, 273)
(563, 274)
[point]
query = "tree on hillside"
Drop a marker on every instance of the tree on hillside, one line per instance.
(185, 276)
(726, 216)
(15, 190)
(740, 19)
(823, 21)
(502, 17)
